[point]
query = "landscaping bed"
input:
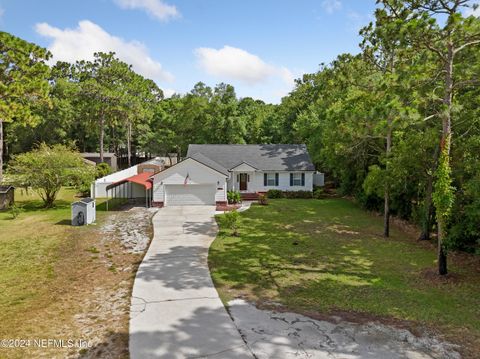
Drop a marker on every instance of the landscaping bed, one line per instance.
(327, 257)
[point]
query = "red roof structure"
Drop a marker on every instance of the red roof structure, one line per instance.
(142, 179)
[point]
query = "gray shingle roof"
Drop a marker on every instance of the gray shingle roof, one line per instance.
(264, 157)
(209, 163)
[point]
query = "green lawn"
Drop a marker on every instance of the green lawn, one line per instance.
(28, 247)
(39, 251)
(328, 256)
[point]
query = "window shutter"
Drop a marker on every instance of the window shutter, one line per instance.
(265, 179)
(238, 178)
(303, 179)
(276, 179)
(248, 178)
(291, 179)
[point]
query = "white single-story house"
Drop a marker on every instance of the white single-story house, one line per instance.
(209, 171)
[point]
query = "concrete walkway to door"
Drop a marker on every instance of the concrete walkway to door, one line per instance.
(175, 310)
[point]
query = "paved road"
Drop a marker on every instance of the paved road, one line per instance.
(175, 310)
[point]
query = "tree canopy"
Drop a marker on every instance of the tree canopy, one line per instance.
(396, 126)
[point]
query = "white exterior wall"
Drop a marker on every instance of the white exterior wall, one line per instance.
(198, 174)
(88, 210)
(100, 185)
(256, 182)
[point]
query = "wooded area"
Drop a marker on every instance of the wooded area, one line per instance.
(397, 126)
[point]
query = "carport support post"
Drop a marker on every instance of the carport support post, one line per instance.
(107, 201)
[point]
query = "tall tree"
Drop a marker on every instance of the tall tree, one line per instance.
(438, 26)
(101, 91)
(139, 100)
(23, 82)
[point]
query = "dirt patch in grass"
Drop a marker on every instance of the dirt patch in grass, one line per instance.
(310, 335)
(85, 293)
(431, 276)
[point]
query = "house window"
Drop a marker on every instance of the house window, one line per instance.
(297, 179)
(270, 179)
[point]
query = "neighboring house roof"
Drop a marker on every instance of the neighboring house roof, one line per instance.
(6, 188)
(97, 155)
(158, 161)
(269, 157)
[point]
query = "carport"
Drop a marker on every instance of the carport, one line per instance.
(138, 187)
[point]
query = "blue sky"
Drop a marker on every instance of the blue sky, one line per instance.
(259, 46)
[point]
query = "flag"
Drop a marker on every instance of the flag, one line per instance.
(186, 179)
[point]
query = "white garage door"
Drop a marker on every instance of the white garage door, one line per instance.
(191, 194)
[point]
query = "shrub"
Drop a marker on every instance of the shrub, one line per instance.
(262, 199)
(274, 193)
(14, 210)
(231, 221)
(233, 197)
(102, 169)
(83, 181)
(318, 193)
(298, 194)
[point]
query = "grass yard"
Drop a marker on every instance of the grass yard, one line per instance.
(324, 257)
(62, 282)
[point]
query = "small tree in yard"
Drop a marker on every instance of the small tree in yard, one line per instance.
(47, 168)
(231, 221)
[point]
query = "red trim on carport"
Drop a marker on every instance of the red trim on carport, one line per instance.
(142, 179)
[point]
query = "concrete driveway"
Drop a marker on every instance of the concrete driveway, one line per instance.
(175, 310)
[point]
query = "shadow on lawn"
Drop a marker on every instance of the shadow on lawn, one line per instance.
(64, 222)
(38, 205)
(271, 255)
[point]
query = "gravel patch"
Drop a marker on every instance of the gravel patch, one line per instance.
(272, 334)
(131, 227)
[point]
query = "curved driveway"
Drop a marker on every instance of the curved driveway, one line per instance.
(175, 310)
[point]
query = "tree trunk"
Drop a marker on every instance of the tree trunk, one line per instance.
(427, 220)
(386, 214)
(129, 143)
(1, 150)
(442, 255)
(445, 148)
(102, 134)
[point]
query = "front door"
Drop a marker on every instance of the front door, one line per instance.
(243, 181)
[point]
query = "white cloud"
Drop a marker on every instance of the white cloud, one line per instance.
(472, 11)
(2, 12)
(330, 6)
(237, 64)
(169, 92)
(80, 44)
(156, 8)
